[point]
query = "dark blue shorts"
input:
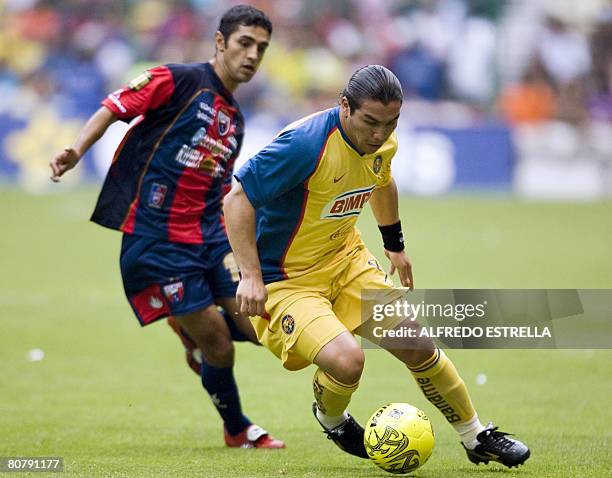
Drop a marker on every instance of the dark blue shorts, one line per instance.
(164, 278)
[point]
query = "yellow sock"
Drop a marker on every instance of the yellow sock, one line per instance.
(439, 381)
(332, 396)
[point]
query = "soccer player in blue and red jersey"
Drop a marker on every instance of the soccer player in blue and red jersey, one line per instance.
(291, 222)
(164, 191)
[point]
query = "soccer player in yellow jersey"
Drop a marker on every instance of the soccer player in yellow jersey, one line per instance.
(291, 223)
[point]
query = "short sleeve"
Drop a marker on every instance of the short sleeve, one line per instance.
(281, 166)
(147, 91)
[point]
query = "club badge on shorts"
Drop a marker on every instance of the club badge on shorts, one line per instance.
(174, 292)
(288, 324)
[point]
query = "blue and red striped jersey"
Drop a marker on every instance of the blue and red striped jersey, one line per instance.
(172, 169)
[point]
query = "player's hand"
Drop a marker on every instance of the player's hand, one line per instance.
(251, 296)
(401, 263)
(63, 162)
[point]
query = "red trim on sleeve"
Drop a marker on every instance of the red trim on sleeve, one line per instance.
(127, 103)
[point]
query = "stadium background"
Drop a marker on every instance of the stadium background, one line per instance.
(511, 96)
(505, 168)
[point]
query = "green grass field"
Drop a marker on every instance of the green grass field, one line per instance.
(115, 400)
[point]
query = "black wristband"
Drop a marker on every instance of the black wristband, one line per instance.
(393, 237)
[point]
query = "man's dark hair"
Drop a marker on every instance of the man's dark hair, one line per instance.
(372, 82)
(243, 15)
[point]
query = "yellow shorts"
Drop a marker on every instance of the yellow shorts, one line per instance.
(308, 311)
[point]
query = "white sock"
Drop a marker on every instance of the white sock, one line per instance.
(331, 422)
(468, 432)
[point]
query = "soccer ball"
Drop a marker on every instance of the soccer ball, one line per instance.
(399, 438)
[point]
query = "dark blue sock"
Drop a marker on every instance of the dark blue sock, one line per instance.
(223, 391)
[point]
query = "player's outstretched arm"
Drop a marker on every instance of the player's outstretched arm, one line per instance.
(385, 206)
(239, 214)
(93, 130)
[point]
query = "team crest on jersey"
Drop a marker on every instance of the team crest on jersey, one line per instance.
(157, 195)
(347, 204)
(376, 165)
(223, 123)
(140, 81)
(174, 292)
(288, 324)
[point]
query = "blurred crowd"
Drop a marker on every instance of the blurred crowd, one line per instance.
(460, 61)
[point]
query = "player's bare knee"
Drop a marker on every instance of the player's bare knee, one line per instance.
(349, 366)
(218, 353)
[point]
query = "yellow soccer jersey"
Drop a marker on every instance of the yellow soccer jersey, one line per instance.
(308, 187)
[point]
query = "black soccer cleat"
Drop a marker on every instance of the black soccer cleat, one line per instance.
(496, 446)
(348, 436)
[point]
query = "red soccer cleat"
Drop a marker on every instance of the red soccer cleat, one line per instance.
(193, 355)
(252, 436)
